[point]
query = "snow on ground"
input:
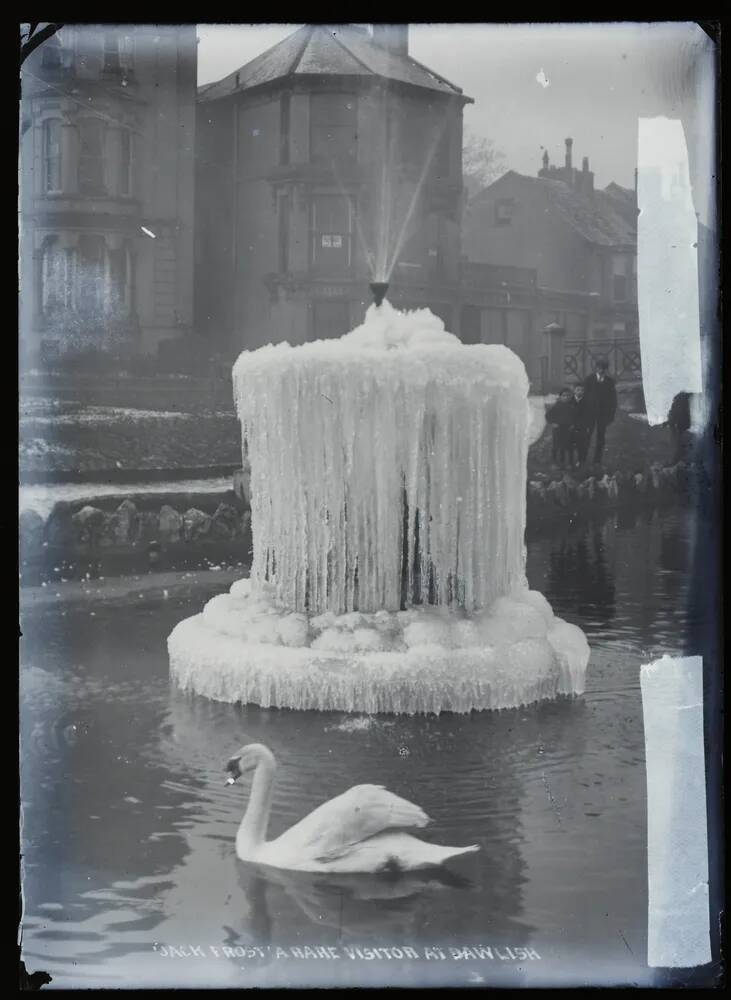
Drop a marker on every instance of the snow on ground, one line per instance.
(42, 498)
(105, 414)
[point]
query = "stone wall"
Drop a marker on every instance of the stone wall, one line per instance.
(148, 528)
(551, 496)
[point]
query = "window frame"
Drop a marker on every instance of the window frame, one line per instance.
(317, 233)
(85, 157)
(48, 158)
(111, 55)
(317, 126)
(285, 124)
(126, 162)
(284, 206)
(53, 45)
(504, 203)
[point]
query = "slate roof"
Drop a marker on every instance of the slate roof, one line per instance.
(624, 200)
(321, 49)
(595, 217)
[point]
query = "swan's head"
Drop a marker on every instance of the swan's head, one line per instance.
(248, 758)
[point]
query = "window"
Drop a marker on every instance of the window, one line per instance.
(112, 62)
(119, 278)
(284, 201)
(125, 166)
(52, 155)
(442, 158)
(126, 51)
(504, 209)
(621, 267)
(91, 156)
(333, 128)
(330, 319)
(90, 274)
(494, 325)
(52, 53)
(284, 123)
(471, 332)
(331, 234)
(55, 288)
(620, 288)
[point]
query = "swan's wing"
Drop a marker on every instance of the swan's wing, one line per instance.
(360, 813)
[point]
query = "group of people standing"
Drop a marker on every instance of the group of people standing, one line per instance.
(586, 409)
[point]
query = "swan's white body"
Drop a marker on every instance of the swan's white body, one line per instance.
(358, 831)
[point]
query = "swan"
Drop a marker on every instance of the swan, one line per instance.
(356, 832)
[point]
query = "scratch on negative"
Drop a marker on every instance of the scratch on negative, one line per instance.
(626, 945)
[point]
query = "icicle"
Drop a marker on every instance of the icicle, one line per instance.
(385, 467)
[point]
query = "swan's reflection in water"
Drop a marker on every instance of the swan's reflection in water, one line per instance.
(358, 907)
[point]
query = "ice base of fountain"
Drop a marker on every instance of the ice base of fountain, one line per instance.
(245, 648)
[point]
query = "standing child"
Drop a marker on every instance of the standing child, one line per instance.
(583, 422)
(561, 416)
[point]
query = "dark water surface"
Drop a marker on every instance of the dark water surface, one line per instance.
(128, 830)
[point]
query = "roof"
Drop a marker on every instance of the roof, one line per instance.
(321, 50)
(596, 217)
(624, 201)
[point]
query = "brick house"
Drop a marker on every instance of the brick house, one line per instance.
(107, 148)
(321, 162)
(567, 255)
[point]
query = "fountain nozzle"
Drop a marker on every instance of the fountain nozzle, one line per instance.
(378, 290)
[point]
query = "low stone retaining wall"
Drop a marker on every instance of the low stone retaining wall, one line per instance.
(156, 530)
(136, 532)
(549, 496)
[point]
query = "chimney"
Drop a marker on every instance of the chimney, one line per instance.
(587, 177)
(545, 161)
(394, 37)
(569, 144)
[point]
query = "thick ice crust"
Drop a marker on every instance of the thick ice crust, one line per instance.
(248, 649)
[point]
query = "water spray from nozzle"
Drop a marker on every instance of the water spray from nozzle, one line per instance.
(378, 290)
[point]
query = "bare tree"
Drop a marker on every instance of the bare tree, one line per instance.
(482, 163)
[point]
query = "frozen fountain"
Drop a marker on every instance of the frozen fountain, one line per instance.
(388, 496)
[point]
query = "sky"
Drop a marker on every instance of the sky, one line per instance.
(536, 84)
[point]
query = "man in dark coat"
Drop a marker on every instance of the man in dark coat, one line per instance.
(679, 423)
(601, 397)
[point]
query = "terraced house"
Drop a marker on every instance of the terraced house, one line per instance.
(550, 270)
(106, 179)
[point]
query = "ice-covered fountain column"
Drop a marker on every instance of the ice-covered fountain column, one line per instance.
(388, 494)
(388, 468)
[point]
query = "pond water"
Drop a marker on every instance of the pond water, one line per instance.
(130, 875)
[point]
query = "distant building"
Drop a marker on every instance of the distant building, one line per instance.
(566, 253)
(106, 179)
(320, 163)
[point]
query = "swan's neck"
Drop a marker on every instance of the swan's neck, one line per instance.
(253, 828)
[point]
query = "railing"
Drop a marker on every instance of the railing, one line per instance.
(622, 356)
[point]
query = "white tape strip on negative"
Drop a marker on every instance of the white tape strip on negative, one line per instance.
(667, 267)
(678, 930)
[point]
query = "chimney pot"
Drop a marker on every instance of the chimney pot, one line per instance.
(393, 37)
